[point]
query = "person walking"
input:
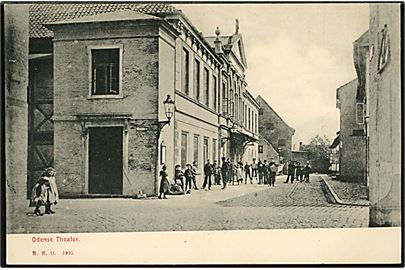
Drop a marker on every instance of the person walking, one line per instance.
(164, 183)
(307, 170)
(38, 196)
(239, 173)
(260, 171)
(52, 194)
(265, 173)
(224, 172)
(247, 173)
(290, 172)
(272, 172)
(195, 173)
(216, 174)
(207, 175)
(179, 176)
(254, 168)
(188, 173)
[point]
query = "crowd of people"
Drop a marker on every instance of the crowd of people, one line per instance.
(230, 172)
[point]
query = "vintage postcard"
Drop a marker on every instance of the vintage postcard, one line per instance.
(158, 133)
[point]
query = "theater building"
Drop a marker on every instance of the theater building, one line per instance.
(99, 78)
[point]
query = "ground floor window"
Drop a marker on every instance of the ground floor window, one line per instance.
(196, 147)
(214, 149)
(183, 149)
(205, 150)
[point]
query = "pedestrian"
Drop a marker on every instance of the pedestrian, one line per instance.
(164, 183)
(272, 172)
(216, 174)
(300, 172)
(224, 172)
(265, 173)
(38, 196)
(290, 172)
(307, 170)
(207, 175)
(254, 168)
(247, 173)
(231, 172)
(51, 189)
(179, 176)
(195, 173)
(280, 168)
(188, 173)
(239, 173)
(260, 171)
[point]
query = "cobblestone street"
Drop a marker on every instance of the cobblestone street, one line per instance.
(244, 207)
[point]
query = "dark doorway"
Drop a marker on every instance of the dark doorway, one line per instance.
(105, 160)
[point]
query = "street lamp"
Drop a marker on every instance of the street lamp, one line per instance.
(169, 111)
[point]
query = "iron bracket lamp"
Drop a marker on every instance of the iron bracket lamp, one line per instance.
(169, 112)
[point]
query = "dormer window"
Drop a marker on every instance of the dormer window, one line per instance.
(105, 77)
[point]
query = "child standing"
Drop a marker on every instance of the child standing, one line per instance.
(164, 183)
(188, 173)
(38, 196)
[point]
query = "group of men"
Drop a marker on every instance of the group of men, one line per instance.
(231, 172)
(296, 171)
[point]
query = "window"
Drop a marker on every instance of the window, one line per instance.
(260, 149)
(185, 75)
(214, 92)
(360, 113)
(249, 123)
(256, 124)
(205, 150)
(214, 149)
(224, 98)
(196, 146)
(176, 147)
(197, 79)
(183, 149)
(207, 87)
(105, 73)
(231, 104)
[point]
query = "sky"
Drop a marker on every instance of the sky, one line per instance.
(297, 55)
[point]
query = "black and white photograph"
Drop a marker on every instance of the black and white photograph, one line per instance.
(200, 118)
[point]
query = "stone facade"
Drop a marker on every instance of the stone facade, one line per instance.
(16, 117)
(273, 128)
(384, 107)
(215, 115)
(136, 110)
(352, 139)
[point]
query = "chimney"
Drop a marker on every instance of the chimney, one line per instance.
(217, 42)
(236, 26)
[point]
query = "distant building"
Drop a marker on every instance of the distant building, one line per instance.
(274, 129)
(352, 147)
(266, 150)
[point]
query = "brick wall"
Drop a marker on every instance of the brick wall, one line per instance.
(353, 150)
(140, 101)
(16, 82)
(272, 128)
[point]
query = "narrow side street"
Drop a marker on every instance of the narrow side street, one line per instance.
(244, 207)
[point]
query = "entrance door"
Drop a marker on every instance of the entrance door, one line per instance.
(105, 160)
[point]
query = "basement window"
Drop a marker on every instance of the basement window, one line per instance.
(105, 72)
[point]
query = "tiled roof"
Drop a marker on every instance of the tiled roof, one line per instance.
(47, 13)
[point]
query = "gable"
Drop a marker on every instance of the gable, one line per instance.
(238, 49)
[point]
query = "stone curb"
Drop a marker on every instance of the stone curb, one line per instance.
(336, 197)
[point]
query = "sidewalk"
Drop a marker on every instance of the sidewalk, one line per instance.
(346, 193)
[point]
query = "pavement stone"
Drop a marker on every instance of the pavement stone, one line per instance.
(244, 207)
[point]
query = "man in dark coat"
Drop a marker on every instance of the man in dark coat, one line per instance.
(207, 175)
(224, 172)
(290, 172)
(307, 170)
(272, 172)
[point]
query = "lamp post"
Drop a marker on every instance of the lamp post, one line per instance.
(169, 112)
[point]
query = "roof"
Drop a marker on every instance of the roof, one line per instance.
(41, 14)
(262, 100)
(120, 15)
